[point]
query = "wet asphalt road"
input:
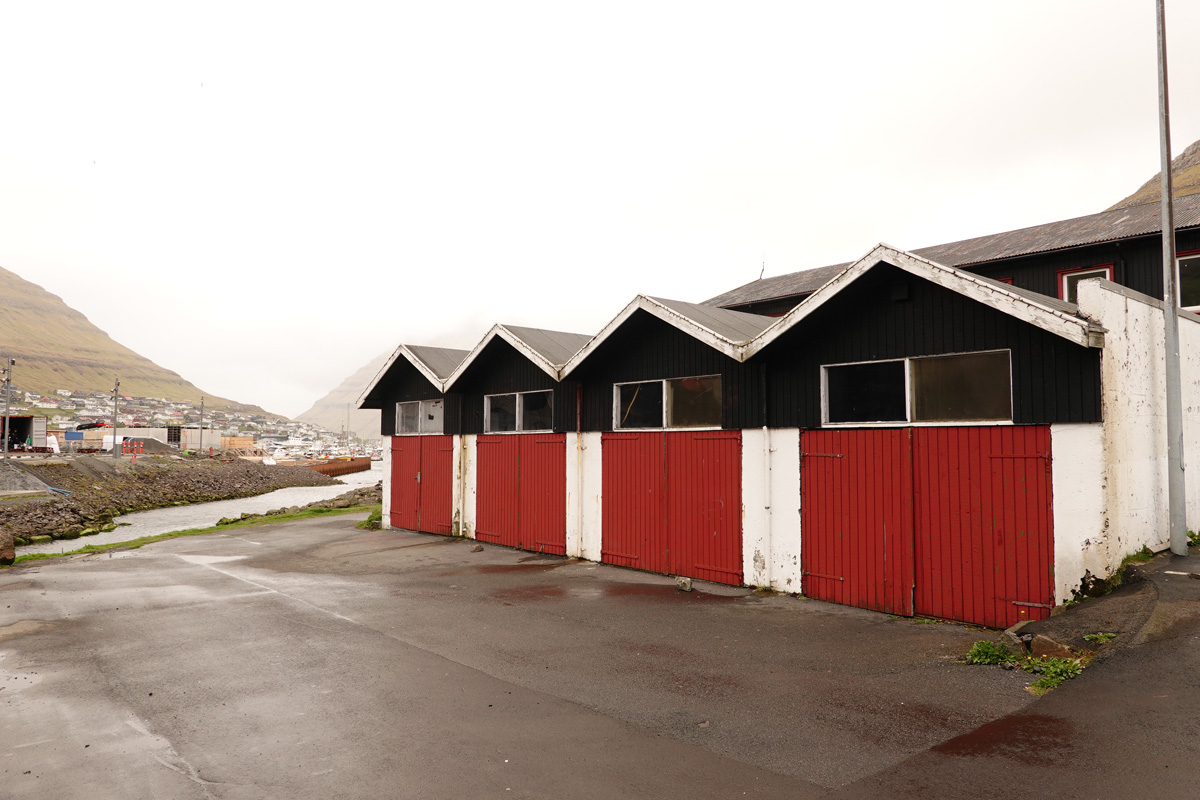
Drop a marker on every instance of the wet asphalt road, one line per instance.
(313, 660)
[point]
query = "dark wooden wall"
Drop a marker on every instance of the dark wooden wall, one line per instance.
(402, 383)
(1137, 264)
(889, 313)
(646, 348)
(500, 369)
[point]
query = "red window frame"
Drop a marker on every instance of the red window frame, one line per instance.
(1063, 273)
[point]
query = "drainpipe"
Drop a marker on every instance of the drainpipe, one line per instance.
(1176, 485)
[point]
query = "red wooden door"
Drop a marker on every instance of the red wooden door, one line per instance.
(633, 504)
(704, 505)
(856, 518)
(437, 484)
(497, 481)
(542, 492)
(405, 483)
(984, 522)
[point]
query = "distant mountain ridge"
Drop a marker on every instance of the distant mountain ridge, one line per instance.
(56, 347)
(333, 410)
(1185, 177)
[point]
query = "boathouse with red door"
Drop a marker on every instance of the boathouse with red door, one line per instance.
(514, 419)
(416, 420)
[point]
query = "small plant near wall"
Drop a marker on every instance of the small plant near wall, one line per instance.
(988, 652)
(1053, 671)
(1099, 638)
(1193, 538)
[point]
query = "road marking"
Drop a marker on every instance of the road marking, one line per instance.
(209, 561)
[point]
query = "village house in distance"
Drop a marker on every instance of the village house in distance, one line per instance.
(74, 420)
(972, 431)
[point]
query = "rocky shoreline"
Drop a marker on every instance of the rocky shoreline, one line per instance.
(90, 491)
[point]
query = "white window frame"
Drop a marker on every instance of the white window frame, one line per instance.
(520, 411)
(421, 415)
(616, 405)
(1179, 274)
(908, 395)
(1101, 271)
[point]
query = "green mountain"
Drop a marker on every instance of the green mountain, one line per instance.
(56, 347)
(1185, 174)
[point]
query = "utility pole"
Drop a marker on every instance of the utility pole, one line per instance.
(7, 373)
(1176, 485)
(200, 449)
(116, 389)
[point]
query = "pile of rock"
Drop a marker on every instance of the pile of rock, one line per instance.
(91, 491)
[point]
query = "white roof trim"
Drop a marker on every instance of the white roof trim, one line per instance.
(1074, 329)
(421, 366)
(516, 341)
(670, 316)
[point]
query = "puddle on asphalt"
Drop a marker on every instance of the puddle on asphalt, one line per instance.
(499, 569)
(518, 594)
(1032, 738)
(592, 591)
(663, 593)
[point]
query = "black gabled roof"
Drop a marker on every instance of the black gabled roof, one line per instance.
(1107, 226)
(435, 364)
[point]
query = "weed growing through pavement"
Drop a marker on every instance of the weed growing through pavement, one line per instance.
(988, 652)
(1053, 671)
(1099, 638)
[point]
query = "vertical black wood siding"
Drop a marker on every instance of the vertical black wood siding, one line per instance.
(1137, 264)
(1053, 380)
(646, 348)
(501, 369)
(404, 383)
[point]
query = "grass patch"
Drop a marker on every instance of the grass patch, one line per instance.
(1053, 671)
(1099, 638)
(374, 521)
(986, 651)
(162, 537)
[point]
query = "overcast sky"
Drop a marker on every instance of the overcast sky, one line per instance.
(288, 189)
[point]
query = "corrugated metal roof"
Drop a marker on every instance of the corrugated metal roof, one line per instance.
(736, 326)
(1107, 226)
(794, 284)
(440, 360)
(556, 347)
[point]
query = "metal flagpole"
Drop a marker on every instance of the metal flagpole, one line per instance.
(7, 373)
(116, 387)
(1176, 485)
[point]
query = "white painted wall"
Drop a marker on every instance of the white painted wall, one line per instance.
(771, 508)
(1134, 416)
(466, 472)
(1080, 506)
(585, 476)
(387, 483)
